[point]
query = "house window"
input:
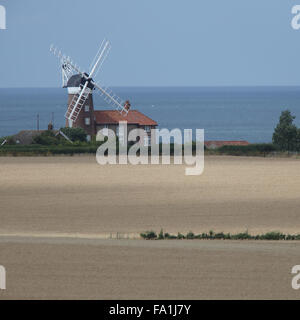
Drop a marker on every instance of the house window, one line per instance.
(147, 128)
(87, 108)
(88, 138)
(87, 121)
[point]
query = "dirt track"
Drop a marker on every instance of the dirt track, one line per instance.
(49, 207)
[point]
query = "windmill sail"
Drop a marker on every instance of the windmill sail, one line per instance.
(68, 60)
(112, 99)
(88, 83)
(66, 70)
(100, 57)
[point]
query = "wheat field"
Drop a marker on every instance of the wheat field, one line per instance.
(56, 212)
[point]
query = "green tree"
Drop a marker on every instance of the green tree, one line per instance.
(298, 140)
(46, 138)
(9, 140)
(75, 134)
(285, 133)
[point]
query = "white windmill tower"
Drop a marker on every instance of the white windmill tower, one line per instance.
(80, 112)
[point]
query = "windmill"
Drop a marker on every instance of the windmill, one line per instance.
(80, 87)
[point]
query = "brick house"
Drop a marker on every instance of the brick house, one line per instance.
(109, 119)
(92, 120)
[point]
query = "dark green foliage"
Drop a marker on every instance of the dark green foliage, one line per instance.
(149, 235)
(190, 235)
(10, 141)
(75, 134)
(46, 150)
(197, 236)
(169, 236)
(180, 236)
(286, 133)
(219, 236)
(46, 138)
(273, 236)
(292, 237)
(258, 149)
(161, 235)
(298, 139)
(242, 236)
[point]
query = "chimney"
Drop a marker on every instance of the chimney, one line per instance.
(127, 105)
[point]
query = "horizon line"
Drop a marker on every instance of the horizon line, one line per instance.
(171, 86)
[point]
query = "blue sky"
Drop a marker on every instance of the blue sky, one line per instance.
(154, 43)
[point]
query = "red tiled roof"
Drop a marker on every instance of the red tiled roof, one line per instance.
(219, 143)
(114, 116)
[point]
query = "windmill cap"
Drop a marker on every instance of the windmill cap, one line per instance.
(74, 81)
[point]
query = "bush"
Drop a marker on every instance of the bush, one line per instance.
(149, 235)
(161, 235)
(242, 236)
(251, 149)
(190, 235)
(75, 134)
(46, 138)
(38, 149)
(9, 140)
(219, 235)
(180, 236)
(170, 236)
(274, 235)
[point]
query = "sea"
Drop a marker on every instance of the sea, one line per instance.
(225, 113)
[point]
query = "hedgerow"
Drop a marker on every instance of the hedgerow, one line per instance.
(274, 235)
